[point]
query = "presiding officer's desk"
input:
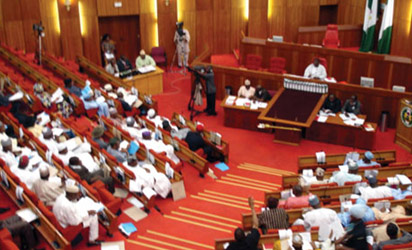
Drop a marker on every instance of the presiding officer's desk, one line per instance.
(149, 83)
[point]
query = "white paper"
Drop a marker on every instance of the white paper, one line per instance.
(148, 192)
(230, 100)
(322, 118)
(16, 96)
(123, 145)
(19, 193)
(135, 202)
(404, 180)
(344, 168)
(27, 215)
(146, 69)
(135, 186)
(57, 131)
(45, 118)
(169, 171)
(241, 101)
(262, 105)
(320, 157)
(56, 95)
(254, 106)
(100, 99)
(182, 120)
(307, 172)
(90, 204)
(130, 99)
(393, 181)
(285, 234)
(111, 247)
(73, 143)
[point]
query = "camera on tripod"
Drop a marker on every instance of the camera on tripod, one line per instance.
(39, 28)
(196, 70)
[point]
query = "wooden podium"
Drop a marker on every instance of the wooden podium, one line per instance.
(403, 135)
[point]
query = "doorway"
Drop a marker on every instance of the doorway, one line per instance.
(125, 32)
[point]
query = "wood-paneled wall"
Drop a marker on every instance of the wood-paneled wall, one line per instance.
(215, 23)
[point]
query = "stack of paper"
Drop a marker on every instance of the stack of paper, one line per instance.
(27, 215)
(262, 105)
(403, 179)
(322, 118)
(241, 101)
(146, 69)
(321, 157)
(45, 118)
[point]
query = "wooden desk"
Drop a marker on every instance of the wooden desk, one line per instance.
(403, 135)
(149, 83)
(240, 117)
(334, 131)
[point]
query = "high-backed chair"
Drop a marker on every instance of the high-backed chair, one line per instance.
(159, 56)
(331, 39)
(253, 62)
(277, 65)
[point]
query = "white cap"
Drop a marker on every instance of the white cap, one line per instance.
(108, 87)
(142, 52)
(247, 82)
(151, 113)
(357, 211)
(72, 189)
(61, 146)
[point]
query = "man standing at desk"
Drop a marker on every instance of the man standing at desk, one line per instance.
(315, 70)
(144, 60)
(246, 91)
(352, 105)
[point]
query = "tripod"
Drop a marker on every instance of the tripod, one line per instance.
(192, 101)
(182, 71)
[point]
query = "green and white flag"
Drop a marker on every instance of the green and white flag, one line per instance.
(369, 23)
(385, 33)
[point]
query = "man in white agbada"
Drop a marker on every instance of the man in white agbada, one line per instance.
(158, 146)
(48, 190)
(47, 139)
(25, 175)
(70, 211)
(87, 159)
(373, 191)
(157, 119)
(7, 153)
(4, 136)
(315, 70)
(307, 180)
(340, 177)
(182, 39)
(326, 219)
(133, 128)
(147, 177)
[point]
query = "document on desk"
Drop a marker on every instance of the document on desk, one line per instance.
(241, 101)
(262, 105)
(230, 100)
(254, 106)
(146, 69)
(322, 118)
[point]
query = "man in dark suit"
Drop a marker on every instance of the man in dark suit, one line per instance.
(124, 64)
(332, 103)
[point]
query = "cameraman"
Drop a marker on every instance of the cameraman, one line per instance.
(209, 77)
(181, 39)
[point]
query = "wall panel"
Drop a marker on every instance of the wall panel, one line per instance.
(90, 33)
(238, 23)
(13, 24)
(221, 27)
(71, 39)
(30, 10)
(129, 7)
(166, 21)
(204, 26)
(258, 12)
(49, 14)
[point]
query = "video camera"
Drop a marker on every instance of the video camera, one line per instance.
(39, 28)
(196, 70)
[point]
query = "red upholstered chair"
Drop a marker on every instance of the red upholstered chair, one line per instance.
(159, 56)
(111, 202)
(253, 62)
(277, 65)
(323, 61)
(400, 246)
(6, 240)
(331, 39)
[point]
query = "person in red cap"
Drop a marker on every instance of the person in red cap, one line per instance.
(25, 175)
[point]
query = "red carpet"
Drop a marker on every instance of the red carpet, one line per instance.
(213, 208)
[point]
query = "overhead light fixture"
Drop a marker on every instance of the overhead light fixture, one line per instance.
(67, 3)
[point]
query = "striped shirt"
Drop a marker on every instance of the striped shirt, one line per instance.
(276, 218)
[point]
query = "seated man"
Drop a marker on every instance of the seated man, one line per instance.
(298, 200)
(355, 237)
(124, 64)
(352, 105)
(315, 70)
(20, 228)
(179, 133)
(97, 134)
(325, 218)
(246, 91)
(91, 177)
(68, 84)
(114, 150)
(25, 175)
(373, 191)
(115, 117)
(332, 104)
(128, 99)
(367, 160)
(7, 153)
(111, 67)
(251, 241)
(261, 94)
(368, 215)
(157, 119)
(144, 60)
(340, 177)
(195, 141)
(158, 146)
(21, 111)
(273, 217)
(395, 238)
(43, 96)
(133, 128)
(69, 212)
(47, 190)
(90, 103)
(317, 179)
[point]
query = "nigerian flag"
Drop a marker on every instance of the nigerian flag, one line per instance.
(369, 23)
(385, 33)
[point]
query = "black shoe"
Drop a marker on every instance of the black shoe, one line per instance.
(179, 66)
(94, 243)
(205, 110)
(4, 209)
(214, 113)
